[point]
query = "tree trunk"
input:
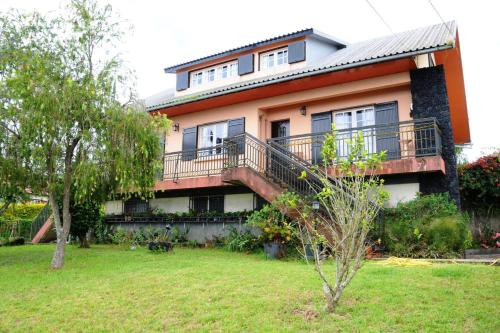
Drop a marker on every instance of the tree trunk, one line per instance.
(84, 244)
(58, 258)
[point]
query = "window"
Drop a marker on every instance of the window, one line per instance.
(212, 135)
(136, 206)
(212, 203)
(215, 73)
(355, 118)
(211, 75)
(274, 58)
(197, 79)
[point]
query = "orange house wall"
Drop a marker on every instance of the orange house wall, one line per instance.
(260, 113)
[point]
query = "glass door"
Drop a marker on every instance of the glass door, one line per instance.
(346, 124)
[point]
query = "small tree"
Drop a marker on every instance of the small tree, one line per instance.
(62, 93)
(347, 204)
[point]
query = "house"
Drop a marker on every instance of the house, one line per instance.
(248, 120)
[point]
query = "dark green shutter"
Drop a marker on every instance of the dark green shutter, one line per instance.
(182, 81)
(320, 122)
(189, 138)
(296, 52)
(236, 127)
(245, 64)
(387, 129)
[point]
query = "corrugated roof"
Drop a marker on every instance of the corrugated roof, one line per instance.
(399, 45)
(299, 33)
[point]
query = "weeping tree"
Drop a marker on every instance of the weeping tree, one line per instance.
(333, 224)
(66, 99)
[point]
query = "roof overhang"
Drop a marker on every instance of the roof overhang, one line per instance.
(288, 37)
(275, 88)
(451, 59)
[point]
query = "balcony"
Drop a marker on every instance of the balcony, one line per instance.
(410, 146)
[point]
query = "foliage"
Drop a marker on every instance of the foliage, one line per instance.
(275, 226)
(242, 241)
(62, 106)
(348, 205)
(427, 226)
(22, 211)
(480, 184)
(85, 216)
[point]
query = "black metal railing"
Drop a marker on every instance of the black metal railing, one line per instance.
(40, 220)
(401, 140)
(243, 150)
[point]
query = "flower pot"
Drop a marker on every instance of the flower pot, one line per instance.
(274, 250)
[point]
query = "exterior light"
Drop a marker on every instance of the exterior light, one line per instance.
(315, 205)
(176, 127)
(302, 110)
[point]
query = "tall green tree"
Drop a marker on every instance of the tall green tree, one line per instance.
(62, 93)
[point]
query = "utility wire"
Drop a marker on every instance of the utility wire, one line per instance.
(438, 14)
(380, 16)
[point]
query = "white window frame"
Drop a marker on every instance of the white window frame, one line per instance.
(346, 135)
(214, 73)
(274, 58)
(205, 140)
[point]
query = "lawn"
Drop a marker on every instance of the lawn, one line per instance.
(107, 289)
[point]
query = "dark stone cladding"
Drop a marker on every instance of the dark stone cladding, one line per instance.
(430, 99)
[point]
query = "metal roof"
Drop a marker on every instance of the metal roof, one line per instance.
(400, 45)
(300, 33)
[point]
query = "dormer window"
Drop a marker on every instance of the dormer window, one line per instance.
(215, 73)
(274, 58)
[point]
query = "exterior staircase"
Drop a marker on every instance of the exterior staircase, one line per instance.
(267, 169)
(42, 227)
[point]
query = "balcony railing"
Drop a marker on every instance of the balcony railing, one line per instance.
(407, 139)
(243, 150)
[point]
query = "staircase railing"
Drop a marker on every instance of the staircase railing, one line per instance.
(40, 220)
(273, 163)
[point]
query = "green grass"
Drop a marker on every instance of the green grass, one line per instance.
(107, 289)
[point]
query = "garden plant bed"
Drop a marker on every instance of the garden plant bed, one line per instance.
(207, 290)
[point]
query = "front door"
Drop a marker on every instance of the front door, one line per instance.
(280, 130)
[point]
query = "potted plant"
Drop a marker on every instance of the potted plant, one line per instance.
(276, 230)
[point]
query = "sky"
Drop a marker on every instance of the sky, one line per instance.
(170, 32)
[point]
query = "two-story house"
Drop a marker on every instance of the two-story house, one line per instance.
(248, 120)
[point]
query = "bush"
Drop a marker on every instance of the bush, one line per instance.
(480, 184)
(242, 241)
(22, 211)
(275, 226)
(428, 226)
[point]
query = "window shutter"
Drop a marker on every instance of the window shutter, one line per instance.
(245, 64)
(236, 127)
(320, 122)
(387, 131)
(182, 81)
(189, 137)
(296, 52)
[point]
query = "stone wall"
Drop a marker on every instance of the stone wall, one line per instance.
(430, 99)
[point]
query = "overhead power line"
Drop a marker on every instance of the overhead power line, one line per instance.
(440, 17)
(380, 16)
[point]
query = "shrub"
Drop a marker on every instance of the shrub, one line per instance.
(242, 241)
(480, 184)
(275, 226)
(22, 211)
(446, 235)
(428, 226)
